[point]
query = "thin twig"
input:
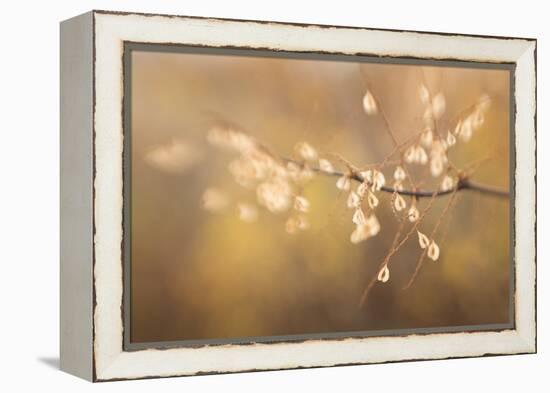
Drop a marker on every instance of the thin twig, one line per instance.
(432, 235)
(396, 246)
(385, 262)
(389, 129)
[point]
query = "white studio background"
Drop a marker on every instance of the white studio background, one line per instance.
(29, 197)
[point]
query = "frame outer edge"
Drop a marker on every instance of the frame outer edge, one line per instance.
(115, 362)
(526, 198)
(76, 196)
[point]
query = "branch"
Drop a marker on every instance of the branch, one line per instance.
(463, 184)
(484, 189)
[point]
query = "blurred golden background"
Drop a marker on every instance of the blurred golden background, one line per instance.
(197, 274)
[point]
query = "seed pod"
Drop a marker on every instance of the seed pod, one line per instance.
(306, 151)
(325, 165)
(447, 183)
(423, 240)
(369, 104)
(451, 139)
(384, 274)
(353, 200)
(359, 217)
(372, 200)
(413, 213)
(399, 174)
(433, 251)
(399, 202)
(343, 183)
(301, 204)
(424, 95)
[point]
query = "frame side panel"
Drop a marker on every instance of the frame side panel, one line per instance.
(76, 191)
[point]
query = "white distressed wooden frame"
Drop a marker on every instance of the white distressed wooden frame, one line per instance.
(92, 195)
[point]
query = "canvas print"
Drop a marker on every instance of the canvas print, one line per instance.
(279, 196)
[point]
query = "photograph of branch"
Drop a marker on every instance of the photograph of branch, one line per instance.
(280, 195)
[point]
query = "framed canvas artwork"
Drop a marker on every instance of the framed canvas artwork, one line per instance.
(246, 195)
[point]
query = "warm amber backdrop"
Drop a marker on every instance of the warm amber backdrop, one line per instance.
(199, 275)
